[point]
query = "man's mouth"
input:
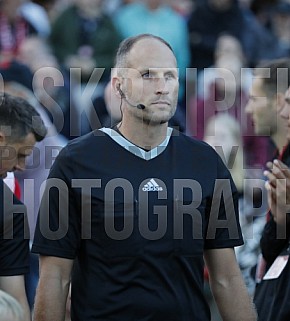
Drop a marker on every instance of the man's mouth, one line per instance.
(161, 102)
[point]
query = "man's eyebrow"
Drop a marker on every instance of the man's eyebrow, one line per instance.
(155, 70)
(287, 99)
(142, 70)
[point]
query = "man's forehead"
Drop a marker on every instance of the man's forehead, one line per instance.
(148, 42)
(152, 52)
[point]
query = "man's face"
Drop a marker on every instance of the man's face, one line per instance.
(261, 109)
(285, 112)
(13, 155)
(152, 80)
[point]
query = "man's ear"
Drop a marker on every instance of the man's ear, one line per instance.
(116, 85)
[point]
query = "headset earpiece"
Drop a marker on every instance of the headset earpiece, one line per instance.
(123, 96)
(120, 91)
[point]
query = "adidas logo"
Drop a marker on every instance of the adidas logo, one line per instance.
(152, 186)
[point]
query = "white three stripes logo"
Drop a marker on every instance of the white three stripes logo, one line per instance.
(152, 186)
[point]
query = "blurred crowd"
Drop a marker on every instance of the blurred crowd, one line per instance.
(58, 55)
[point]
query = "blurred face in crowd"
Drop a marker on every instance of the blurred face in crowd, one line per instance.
(14, 153)
(229, 46)
(263, 110)
(285, 112)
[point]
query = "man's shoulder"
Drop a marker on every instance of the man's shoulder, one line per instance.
(86, 146)
(181, 138)
(94, 137)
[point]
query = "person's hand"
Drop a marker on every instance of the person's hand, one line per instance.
(278, 188)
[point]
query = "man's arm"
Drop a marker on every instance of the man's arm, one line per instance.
(227, 285)
(52, 290)
(15, 286)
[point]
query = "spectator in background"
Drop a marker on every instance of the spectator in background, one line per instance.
(37, 17)
(211, 18)
(94, 41)
(281, 24)
(158, 18)
(266, 100)
(10, 309)
(223, 132)
(93, 45)
(14, 28)
(18, 82)
(21, 127)
(269, 102)
(262, 10)
(13, 184)
(208, 21)
(106, 111)
(229, 51)
(51, 85)
(224, 89)
(48, 5)
(273, 295)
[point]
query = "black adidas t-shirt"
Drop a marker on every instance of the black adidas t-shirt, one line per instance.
(14, 234)
(137, 224)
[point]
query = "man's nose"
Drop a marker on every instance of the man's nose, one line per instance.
(161, 86)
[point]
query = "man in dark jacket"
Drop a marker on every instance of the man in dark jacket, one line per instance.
(20, 128)
(272, 293)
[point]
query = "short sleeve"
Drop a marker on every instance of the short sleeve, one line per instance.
(223, 227)
(58, 224)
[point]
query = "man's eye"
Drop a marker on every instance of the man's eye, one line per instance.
(146, 75)
(169, 76)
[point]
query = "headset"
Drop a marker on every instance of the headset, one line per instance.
(139, 106)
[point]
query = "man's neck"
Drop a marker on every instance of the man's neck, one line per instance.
(144, 136)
